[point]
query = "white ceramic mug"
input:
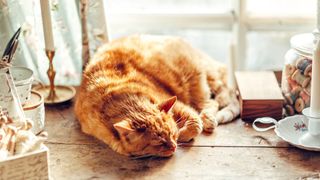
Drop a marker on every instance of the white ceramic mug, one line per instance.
(22, 78)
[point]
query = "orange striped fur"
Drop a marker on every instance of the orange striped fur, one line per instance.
(128, 94)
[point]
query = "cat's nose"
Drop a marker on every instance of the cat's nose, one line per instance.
(172, 146)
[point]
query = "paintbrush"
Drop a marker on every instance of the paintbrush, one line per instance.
(11, 47)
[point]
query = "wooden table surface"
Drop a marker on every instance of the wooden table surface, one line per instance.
(233, 151)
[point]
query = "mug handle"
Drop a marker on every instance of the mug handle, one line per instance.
(37, 82)
(264, 120)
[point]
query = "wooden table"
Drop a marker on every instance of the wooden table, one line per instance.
(233, 151)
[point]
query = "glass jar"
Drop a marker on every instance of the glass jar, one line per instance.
(296, 75)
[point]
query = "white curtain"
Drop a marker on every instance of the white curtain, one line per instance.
(66, 31)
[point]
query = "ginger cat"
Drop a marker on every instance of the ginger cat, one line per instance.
(142, 94)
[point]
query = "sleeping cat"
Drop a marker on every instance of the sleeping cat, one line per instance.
(142, 94)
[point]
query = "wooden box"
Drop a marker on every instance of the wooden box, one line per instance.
(260, 95)
(32, 165)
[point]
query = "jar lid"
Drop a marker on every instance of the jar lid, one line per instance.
(303, 43)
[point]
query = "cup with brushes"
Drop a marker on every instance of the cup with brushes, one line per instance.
(16, 135)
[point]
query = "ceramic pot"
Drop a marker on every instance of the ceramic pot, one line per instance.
(34, 109)
(23, 78)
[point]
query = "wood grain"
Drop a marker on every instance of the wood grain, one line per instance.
(260, 95)
(252, 109)
(233, 151)
(261, 85)
(27, 166)
(99, 162)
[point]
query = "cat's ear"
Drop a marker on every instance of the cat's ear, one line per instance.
(123, 127)
(167, 104)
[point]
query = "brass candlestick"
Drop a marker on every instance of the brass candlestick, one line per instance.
(51, 74)
(54, 94)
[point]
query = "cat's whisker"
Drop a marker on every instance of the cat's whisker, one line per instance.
(140, 157)
(182, 144)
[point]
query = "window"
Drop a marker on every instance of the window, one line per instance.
(260, 29)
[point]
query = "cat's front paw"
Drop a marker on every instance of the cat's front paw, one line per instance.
(209, 121)
(191, 129)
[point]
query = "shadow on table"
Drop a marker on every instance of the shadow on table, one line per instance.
(104, 162)
(308, 160)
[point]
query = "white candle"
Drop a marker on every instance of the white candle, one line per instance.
(315, 82)
(47, 27)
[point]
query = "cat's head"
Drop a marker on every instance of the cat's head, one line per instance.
(154, 134)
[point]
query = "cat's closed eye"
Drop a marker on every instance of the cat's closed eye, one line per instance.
(157, 142)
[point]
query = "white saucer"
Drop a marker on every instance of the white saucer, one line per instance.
(290, 129)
